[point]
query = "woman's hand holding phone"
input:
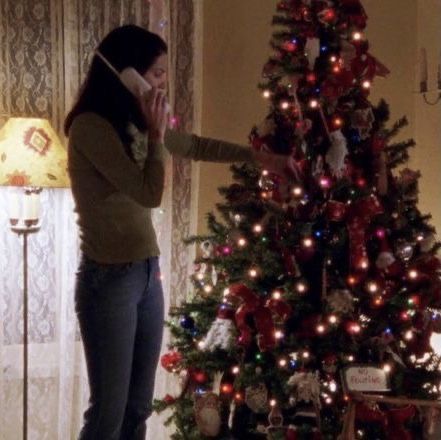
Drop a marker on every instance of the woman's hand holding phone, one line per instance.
(154, 108)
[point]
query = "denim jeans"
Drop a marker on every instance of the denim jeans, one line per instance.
(120, 308)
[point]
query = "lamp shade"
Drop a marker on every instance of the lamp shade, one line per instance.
(31, 154)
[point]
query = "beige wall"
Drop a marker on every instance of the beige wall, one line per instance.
(235, 46)
(427, 157)
(236, 35)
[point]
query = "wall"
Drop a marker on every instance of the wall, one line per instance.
(427, 156)
(236, 36)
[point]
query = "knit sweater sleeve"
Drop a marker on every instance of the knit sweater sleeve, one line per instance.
(205, 149)
(96, 139)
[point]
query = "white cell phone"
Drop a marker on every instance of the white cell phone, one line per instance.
(132, 80)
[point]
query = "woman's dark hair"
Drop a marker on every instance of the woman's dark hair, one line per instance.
(103, 93)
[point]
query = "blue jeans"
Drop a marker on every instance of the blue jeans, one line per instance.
(120, 308)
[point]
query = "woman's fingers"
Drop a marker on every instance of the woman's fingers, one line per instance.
(155, 110)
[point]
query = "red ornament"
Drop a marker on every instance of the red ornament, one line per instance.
(327, 16)
(168, 399)
(291, 434)
(289, 46)
(335, 211)
(171, 361)
(199, 376)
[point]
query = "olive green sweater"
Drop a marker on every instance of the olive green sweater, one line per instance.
(114, 196)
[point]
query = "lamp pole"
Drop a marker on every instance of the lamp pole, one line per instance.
(24, 227)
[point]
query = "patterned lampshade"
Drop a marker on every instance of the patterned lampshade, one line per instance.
(31, 154)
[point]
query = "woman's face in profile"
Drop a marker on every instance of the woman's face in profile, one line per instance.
(156, 76)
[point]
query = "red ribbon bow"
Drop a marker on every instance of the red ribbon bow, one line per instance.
(261, 309)
(359, 217)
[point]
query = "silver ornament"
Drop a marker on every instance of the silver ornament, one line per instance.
(266, 183)
(404, 250)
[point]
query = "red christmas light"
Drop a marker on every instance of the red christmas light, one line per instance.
(311, 78)
(227, 388)
(289, 46)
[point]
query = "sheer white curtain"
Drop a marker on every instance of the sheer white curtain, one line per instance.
(45, 48)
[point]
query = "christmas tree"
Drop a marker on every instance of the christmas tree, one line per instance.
(300, 281)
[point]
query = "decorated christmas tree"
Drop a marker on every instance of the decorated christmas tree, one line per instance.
(311, 293)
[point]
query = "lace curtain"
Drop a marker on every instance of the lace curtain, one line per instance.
(45, 50)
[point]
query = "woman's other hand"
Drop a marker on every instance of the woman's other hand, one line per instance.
(154, 108)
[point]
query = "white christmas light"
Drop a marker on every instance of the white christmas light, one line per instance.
(277, 294)
(284, 105)
(387, 368)
(266, 94)
(332, 319)
(297, 191)
(242, 242)
(278, 334)
(308, 242)
(252, 273)
(283, 362)
(257, 228)
(200, 276)
(364, 263)
(226, 291)
(321, 329)
(273, 402)
(357, 36)
(313, 103)
(413, 274)
(235, 370)
(208, 288)
(301, 287)
(372, 287)
(366, 84)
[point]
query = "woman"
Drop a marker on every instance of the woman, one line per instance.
(116, 165)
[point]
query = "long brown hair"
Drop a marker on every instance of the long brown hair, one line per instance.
(103, 93)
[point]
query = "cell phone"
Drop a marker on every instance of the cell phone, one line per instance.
(132, 80)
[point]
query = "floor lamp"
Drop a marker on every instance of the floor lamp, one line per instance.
(32, 157)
